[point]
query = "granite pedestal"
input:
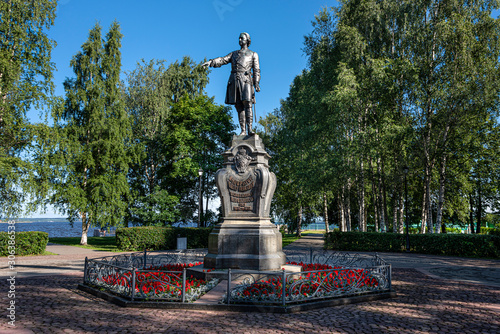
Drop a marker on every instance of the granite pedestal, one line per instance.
(246, 238)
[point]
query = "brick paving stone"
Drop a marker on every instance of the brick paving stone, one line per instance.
(424, 305)
(427, 302)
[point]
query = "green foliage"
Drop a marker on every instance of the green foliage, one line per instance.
(91, 159)
(466, 245)
(179, 130)
(453, 230)
(26, 243)
(158, 238)
(25, 83)
(490, 230)
(392, 84)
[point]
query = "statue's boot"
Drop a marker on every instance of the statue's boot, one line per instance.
(241, 116)
(248, 112)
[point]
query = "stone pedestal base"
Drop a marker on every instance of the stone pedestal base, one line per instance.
(245, 244)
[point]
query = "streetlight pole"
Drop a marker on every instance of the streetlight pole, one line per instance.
(200, 207)
(405, 170)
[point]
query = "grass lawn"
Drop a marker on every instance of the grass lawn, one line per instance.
(48, 253)
(97, 243)
(306, 232)
(288, 239)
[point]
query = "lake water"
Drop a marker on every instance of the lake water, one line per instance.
(55, 227)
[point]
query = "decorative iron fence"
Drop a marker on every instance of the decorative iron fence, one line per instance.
(339, 275)
(143, 276)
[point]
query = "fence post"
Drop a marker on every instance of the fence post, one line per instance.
(145, 258)
(228, 286)
(311, 255)
(133, 284)
(283, 287)
(390, 277)
(85, 271)
(184, 285)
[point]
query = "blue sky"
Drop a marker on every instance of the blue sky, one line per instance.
(200, 29)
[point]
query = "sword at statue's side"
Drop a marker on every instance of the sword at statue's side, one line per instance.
(254, 112)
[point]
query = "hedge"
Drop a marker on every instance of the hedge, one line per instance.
(156, 238)
(466, 245)
(26, 243)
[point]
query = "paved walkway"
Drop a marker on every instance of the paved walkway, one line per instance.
(425, 303)
(70, 260)
(470, 270)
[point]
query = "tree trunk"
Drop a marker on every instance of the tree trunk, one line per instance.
(348, 206)
(83, 215)
(375, 205)
(395, 211)
(299, 224)
(325, 213)
(471, 213)
(384, 196)
(430, 225)
(361, 198)
(424, 203)
(341, 211)
(375, 197)
(380, 195)
(206, 210)
(402, 218)
(479, 210)
(442, 180)
(85, 228)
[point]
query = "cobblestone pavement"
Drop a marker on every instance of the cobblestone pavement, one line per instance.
(431, 299)
(423, 305)
(69, 260)
(481, 271)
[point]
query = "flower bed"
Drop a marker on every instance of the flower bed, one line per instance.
(316, 281)
(161, 282)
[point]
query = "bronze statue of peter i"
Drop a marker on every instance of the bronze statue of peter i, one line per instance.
(240, 87)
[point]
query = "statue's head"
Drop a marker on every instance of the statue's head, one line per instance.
(247, 37)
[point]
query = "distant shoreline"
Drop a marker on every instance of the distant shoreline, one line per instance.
(37, 220)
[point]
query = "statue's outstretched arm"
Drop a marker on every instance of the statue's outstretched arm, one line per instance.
(218, 62)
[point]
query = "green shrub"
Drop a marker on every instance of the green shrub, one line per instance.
(468, 245)
(26, 243)
(494, 231)
(490, 230)
(156, 238)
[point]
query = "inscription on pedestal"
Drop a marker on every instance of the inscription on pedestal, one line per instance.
(241, 194)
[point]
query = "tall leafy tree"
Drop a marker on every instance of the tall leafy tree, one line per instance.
(455, 47)
(94, 129)
(25, 82)
(393, 84)
(180, 130)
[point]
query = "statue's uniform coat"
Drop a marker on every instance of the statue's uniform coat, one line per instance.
(240, 80)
